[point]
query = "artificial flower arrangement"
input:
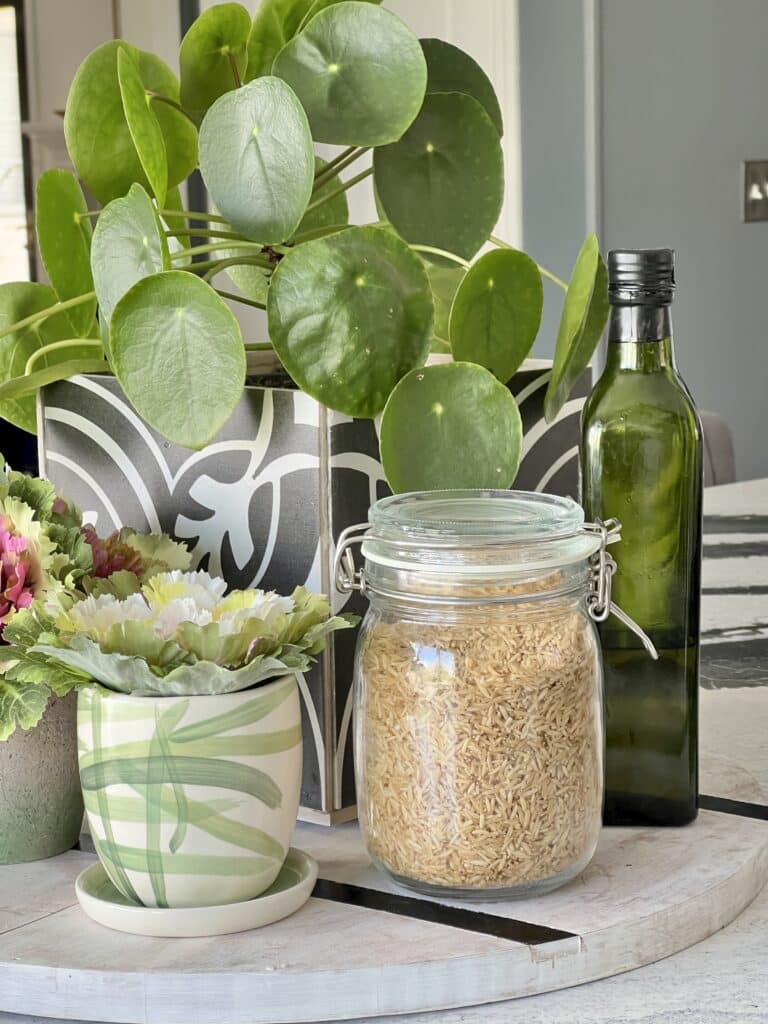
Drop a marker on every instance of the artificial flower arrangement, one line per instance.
(48, 556)
(125, 612)
(176, 634)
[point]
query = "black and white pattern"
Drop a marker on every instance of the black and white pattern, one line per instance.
(262, 506)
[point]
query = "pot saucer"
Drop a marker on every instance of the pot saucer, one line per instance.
(103, 903)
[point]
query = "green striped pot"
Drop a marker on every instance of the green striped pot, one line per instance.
(191, 801)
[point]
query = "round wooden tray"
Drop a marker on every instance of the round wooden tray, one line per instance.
(361, 948)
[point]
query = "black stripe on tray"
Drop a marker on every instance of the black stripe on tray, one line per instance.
(438, 913)
(738, 807)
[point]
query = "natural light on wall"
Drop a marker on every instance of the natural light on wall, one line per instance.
(14, 259)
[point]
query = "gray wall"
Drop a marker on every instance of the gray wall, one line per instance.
(684, 100)
(552, 135)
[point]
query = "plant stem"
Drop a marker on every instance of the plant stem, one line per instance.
(552, 277)
(213, 247)
(542, 270)
(171, 103)
(306, 236)
(235, 72)
(443, 252)
(193, 215)
(342, 188)
(44, 314)
(339, 158)
(241, 298)
(325, 175)
(212, 232)
(258, 346)
(212, 267)
(54, 346)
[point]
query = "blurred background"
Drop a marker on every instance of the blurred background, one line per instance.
(631, 119)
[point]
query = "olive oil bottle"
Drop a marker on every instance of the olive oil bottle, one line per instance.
(642, 463)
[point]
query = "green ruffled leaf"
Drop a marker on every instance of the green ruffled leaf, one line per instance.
(126, 674)
(22, 705)
(73, 557)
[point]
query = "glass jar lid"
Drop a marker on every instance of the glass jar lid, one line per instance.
(477, 532)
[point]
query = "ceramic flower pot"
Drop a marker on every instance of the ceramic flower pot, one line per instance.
(191, 801)
(41, 808)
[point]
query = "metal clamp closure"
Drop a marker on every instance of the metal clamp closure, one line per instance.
(603, 568)
(346, 576)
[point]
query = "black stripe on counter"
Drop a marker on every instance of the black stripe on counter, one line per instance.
(736, 524)
(738, 807)
(438, 913)
(753, 591)
(743, 549)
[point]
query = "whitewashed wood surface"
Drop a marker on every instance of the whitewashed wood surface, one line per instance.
(646, 893)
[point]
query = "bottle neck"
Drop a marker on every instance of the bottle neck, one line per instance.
(640, 323)
(640, 338)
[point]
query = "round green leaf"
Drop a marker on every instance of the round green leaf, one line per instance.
(450, 425)
(97, 133)
(257, 160)
(275, 23)
(143, 125)
(178, 354)
(349, 315)
(444, 281)
(19, 300)
(450, 69)
(64, 237)
(585, 311)
(496, 313)
(358, 71)
(128, 245)
(442, 184)
(214, 41)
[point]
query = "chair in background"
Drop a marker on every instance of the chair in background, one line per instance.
(719, 460)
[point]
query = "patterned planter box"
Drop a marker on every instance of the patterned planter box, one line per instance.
(262, 506)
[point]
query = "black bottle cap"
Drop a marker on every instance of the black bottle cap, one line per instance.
(638, 277)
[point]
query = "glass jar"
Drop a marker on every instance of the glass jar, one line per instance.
(478, 728)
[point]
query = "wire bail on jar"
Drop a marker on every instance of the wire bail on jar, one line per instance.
(347, 577)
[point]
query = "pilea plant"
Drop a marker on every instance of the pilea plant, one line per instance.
(353, 312)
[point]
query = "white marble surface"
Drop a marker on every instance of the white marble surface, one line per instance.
(647, 893)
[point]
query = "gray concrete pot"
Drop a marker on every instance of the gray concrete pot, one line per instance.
(41, 805)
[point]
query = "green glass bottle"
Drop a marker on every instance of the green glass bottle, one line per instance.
(642, 463)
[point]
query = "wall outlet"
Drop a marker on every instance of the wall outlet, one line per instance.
(755, 190)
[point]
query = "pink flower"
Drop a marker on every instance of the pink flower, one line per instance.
(112, 554)
(20, 575)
